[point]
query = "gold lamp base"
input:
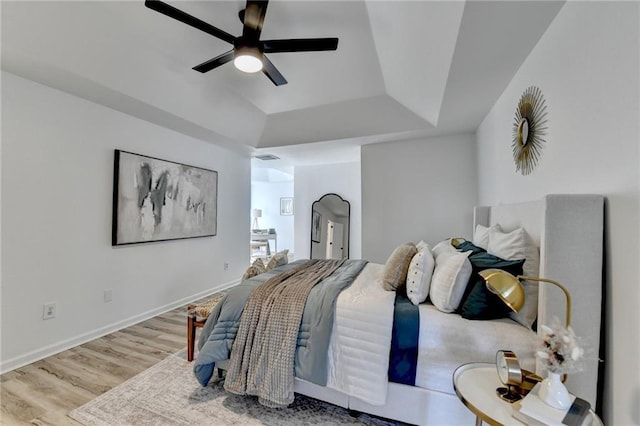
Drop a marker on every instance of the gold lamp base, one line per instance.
(508, 394)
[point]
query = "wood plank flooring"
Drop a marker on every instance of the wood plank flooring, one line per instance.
(44, 392)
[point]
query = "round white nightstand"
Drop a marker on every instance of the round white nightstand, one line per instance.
(476, 383)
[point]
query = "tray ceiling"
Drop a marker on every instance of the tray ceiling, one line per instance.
(402, 69)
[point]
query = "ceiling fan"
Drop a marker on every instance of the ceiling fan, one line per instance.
(248, 51)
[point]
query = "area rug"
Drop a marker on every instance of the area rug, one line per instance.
(169, 394)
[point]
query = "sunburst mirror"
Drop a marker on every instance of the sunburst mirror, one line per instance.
(529, 129)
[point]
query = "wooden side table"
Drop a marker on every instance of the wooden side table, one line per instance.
(476, 383)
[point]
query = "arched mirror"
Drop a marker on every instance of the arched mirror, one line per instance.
(330, 228)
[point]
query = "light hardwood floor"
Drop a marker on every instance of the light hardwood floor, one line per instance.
(44, 392)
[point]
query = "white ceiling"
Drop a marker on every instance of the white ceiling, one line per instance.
(402, 69)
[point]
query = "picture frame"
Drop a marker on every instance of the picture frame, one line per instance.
(286, 206)
(160, 200)
(316, 227)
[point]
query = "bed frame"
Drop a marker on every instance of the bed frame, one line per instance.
(570, 229)
(569, 232)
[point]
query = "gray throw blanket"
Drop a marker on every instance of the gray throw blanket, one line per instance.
(262, 358)
(219, 332)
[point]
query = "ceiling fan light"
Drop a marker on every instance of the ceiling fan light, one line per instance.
(248, 59)
(247, 63)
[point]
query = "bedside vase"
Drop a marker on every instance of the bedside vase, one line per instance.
(554, 393)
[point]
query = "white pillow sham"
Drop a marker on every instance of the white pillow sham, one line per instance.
(515, 245)
(450, 277)
(442, 247)
(481, 235)
(419, 275)
(421, 245)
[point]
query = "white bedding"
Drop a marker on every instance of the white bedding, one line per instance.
(361, 338)
(447, 341)
(569, 229)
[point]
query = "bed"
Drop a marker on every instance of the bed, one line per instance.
(567, 231)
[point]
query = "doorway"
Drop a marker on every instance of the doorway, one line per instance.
(271, 211)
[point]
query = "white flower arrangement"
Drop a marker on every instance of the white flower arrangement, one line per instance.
(560, 348)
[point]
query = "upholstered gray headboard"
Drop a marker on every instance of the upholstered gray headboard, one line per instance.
(569, 230)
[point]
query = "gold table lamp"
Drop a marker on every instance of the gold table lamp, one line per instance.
(509, 288)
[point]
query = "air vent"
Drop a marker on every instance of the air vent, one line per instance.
(267, 157)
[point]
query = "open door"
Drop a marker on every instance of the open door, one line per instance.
(335, 240)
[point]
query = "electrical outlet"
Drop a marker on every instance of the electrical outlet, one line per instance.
(108, 295)
(226, 266)
(48, 311)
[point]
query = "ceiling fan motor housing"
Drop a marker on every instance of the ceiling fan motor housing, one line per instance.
(243, 46)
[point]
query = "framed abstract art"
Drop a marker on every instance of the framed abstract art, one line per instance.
(159, 200)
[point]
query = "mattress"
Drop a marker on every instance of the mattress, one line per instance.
(447, 341)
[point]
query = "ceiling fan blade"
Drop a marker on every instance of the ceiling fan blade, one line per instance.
(181, 16)
(215, 62)
(272, 72)
(253, 19)
(300, 45)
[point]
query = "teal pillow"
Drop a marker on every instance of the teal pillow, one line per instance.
(478, 303)
(469, 246)
(481, 304)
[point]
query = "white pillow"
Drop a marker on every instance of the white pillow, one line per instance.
(443, 246)
(422, 245)
(481, 235)
(419, 275)
(516, 245)
(450, 278)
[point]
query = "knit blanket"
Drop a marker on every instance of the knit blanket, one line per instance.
(262, 357)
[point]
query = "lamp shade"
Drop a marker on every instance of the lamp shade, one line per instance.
(506, 286)
(257, 213)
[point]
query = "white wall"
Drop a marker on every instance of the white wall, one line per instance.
(413, 190)
(266, 196)
(587, 67)
(57, 177)
(311, 183)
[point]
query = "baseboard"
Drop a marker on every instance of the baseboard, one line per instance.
(49, 350)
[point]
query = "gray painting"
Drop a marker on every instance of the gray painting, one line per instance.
(157, 200)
